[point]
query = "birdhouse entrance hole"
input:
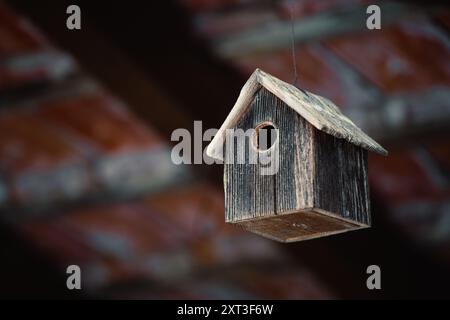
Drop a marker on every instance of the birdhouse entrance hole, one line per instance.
(265, 136)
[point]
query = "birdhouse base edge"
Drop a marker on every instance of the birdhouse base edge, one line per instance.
(299, 225)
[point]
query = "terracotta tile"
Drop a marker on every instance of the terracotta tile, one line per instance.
(27, 143)
(101, 121)
(301, 9)
(17, 35)
(196, 210)
(401, 178)
(26, 57)
(39, 165)
(65, 246)
(126, 154)
(395, 59)
(125, 230)
(41, 67)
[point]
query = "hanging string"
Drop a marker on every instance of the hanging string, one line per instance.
(294, 56)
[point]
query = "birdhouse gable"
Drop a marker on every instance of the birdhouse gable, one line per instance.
(318, 111)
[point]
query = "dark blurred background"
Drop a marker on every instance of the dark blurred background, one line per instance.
(85, 123)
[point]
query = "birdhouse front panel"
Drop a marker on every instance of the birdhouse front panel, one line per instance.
(310, 175)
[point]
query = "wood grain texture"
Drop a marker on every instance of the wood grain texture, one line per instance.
(298, 226)
(248, 193)
(304, 163)
(341, 181)
(320, 112)
(321, 184)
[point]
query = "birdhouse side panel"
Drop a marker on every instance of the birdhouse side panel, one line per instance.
(341, 180)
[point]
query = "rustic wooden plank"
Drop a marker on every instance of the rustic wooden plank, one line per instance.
(287, 121)
(302, 225)
(250, 194)
(304, 134)
(265, 110)
(341, 185)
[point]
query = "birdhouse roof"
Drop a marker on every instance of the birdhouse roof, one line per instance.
(320, 112)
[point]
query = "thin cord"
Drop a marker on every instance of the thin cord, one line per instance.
(294, 56)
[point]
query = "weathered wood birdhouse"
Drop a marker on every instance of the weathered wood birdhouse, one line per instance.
(318, 185)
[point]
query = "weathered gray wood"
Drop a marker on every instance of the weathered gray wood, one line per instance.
(287, 122)
(251, 194)
(302, 225)
(304, 134)
(318, 111)
(320, 187)
(341, 178)
(271, 194)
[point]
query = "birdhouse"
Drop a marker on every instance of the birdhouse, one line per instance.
(308, 179)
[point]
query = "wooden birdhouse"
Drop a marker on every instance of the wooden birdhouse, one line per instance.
(318, 186)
